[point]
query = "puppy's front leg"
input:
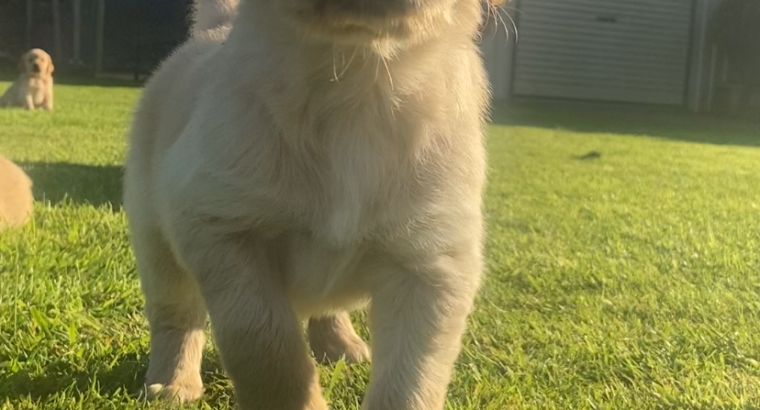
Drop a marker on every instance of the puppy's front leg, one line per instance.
(29, 102)
(416, 322)
(257, 333)
(48, 103)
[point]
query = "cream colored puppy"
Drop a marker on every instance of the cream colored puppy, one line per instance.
(312, 157)
(34, 86)
(16, 199)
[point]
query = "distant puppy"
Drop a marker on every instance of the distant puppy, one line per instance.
(15, 195)
(34, 86)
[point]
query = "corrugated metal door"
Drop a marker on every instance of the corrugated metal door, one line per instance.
(609, 50)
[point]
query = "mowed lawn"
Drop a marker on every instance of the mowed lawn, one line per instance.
(623, 266)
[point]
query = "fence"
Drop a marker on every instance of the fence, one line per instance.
(108, 36)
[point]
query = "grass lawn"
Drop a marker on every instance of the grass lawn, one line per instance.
(626, 280)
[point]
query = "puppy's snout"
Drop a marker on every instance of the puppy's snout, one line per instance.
(35, 68)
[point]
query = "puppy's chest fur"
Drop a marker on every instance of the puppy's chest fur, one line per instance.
(323, 189)
(37, 87)
(342, 179)
(359, 187)
(353, 172)
(335, 168)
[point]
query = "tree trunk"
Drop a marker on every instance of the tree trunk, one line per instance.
(29, 22)
(101, 23)
(57, 30)
(77, 46)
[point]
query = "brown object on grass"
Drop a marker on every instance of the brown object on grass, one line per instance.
(15, 195)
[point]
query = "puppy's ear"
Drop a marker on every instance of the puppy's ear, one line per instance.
(50, 67)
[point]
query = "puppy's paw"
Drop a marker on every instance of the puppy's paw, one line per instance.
(178, 392)
(333, 337)
(333, 347)
(317, 402)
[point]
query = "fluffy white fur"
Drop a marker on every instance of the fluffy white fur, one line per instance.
(306, 161)
(213, 14)
(33, 88)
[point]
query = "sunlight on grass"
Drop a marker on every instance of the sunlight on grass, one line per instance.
(626, 280)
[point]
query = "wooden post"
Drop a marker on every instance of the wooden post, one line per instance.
(77, 57)
(100, 33)
(57, 29)
(29, 22)
(711, 79)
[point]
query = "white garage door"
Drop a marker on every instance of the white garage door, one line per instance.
(609, 50)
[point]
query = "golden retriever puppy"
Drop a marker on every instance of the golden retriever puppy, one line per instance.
(34, 86)
(311, 157)
(15, 195)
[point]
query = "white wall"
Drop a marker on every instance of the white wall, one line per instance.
(498, 52)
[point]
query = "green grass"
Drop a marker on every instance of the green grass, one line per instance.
(628, 281)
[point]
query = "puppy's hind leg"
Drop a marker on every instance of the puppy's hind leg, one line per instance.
(176, 315)
(333, 336)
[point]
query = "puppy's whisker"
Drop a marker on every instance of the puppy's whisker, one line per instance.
(334, 68)
(377, 69)
(484, 24)
(350, 60)
(388, 71)
(514, 24)
(504, 24)
(492, 12)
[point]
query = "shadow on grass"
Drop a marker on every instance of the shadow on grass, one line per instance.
(60, 377)
(87, 81)
(82, 184)
(127, 376)
(77, 80)
(657, 122)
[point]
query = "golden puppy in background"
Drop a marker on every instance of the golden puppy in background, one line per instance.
(15, 195)
(309, 158)
(34, 86)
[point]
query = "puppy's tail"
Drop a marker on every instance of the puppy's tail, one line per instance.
(213, 14)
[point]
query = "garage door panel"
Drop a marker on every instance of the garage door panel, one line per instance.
(592, 75)
(619, 85)
(604, 94)
(640, 30)
(665, 8)
(611, 58)
(568, 45)
(581, 18)
(637, 51)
